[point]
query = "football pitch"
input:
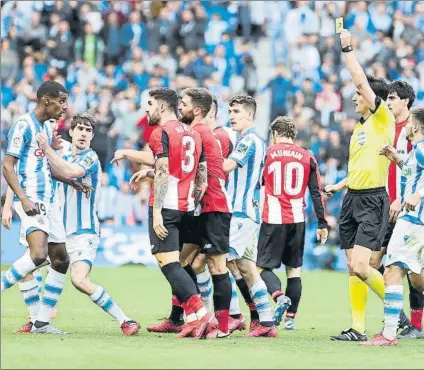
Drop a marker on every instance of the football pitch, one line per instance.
(96, 341)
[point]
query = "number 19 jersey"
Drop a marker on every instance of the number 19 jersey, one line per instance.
(183, 148)
(289, 171)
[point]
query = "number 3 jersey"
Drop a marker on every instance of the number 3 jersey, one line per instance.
(289, 171)
(183, 148)
(80, 212)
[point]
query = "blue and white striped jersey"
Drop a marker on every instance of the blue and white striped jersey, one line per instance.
(245, 184)
(411, 181)
(32, 168)
(80, 212)
(66, 150)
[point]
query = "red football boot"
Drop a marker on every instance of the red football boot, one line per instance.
(25, 329)
(217, 334)
(236, 324)
(253, 325)
(202, 326)
(188, 330)
(380, 341)
(166, 326)
(130, 327)
(263, 331)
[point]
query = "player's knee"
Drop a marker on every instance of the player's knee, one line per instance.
(375, 261)
(417, 282)
(360, 269)
(217, 267)
(80, 282)
(39, 256)
(61, 264)
(199, 264)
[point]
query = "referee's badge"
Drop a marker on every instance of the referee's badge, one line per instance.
(361, 137)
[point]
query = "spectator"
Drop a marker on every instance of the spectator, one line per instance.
(110, 34)
(32, 37)
(9, 63)
(250, 76)
(60, 47)
(89, 48)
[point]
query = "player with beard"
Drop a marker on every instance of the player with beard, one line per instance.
(179, 166)
(215, 214)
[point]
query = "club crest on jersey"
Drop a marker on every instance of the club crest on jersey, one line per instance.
(361, 137)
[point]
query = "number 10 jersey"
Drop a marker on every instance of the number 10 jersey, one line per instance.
(289, 171)
(183, 148)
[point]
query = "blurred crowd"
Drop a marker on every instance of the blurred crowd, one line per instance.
(109, 53)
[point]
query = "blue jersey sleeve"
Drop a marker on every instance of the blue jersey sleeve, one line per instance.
(17, 139)
(88, 161)
(244, 150)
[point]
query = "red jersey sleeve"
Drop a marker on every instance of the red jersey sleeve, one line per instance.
(159, 143)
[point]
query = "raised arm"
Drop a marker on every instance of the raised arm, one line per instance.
(358, 75)
(143, 157)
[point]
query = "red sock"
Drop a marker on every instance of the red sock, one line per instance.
(222, 317)
(175, 301)
(190, 315)
(196, 304)
(417, 318)
(277, 294)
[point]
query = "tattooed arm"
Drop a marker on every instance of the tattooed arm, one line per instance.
(161, 188)
(200, 183)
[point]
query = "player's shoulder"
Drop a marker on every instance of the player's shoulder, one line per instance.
(419, 153)
(89, 157)
(22, 122)
(156, 134)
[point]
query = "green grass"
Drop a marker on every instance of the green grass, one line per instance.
(97, 342)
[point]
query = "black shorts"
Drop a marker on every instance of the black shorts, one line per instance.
(190, 230)
(173, 222)
(364, 218)
(281, 244)
(214, 229)
(388, 234)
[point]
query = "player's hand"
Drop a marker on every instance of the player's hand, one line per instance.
(29, 207)
(160, 230)
(331, 190)
(6, 217)
(119, 154)
(390, 153)
(411, 202)
(43, 141)
(57, 141)
(140, 175)
(345, 38)
(82, 188)
(322, 235)
(395, 209)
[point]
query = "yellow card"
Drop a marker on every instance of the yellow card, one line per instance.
(339, 25)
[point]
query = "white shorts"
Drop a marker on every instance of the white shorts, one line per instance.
(243, 239)
(82, 248)
(33, 223)
(406, 246)
(57, 228)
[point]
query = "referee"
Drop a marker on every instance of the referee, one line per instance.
(365, 209)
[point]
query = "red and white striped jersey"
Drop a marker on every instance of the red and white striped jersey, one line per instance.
(216, 197)
(403, 147)
(183, 147)
(227, 138)
(289, 171)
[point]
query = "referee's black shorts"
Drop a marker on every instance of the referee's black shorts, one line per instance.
(364, 218)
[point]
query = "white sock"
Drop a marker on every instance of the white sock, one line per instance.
(17, 271)
(393, 303)
(103, 300)
(53, 287)
(235, 303)
(39, 278)
(29, 291)
(204, 281)
(259, 295)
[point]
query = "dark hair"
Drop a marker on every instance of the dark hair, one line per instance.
(215, 103)
(379, 86)
(200, 98)
(168, 96)
(404, 90)
(245, 100)
(285, 127)
(85, 119)
(52, 89)
(418, 114)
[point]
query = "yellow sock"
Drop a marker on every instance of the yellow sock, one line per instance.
(358, 293)
(376, 283)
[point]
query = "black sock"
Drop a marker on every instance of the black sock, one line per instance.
(272, 282)
(181, 283)
(244, 290)
(221, 291)
(192, 274)
(416, 298)
(294, 292)
(381, 269)
(177, 313)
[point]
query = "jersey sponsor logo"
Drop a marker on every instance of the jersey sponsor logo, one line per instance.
(361, 137)
(242, 148)
(407, 171)
(39, 153)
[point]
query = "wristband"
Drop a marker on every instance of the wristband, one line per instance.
(421, 193)
(347, 49)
